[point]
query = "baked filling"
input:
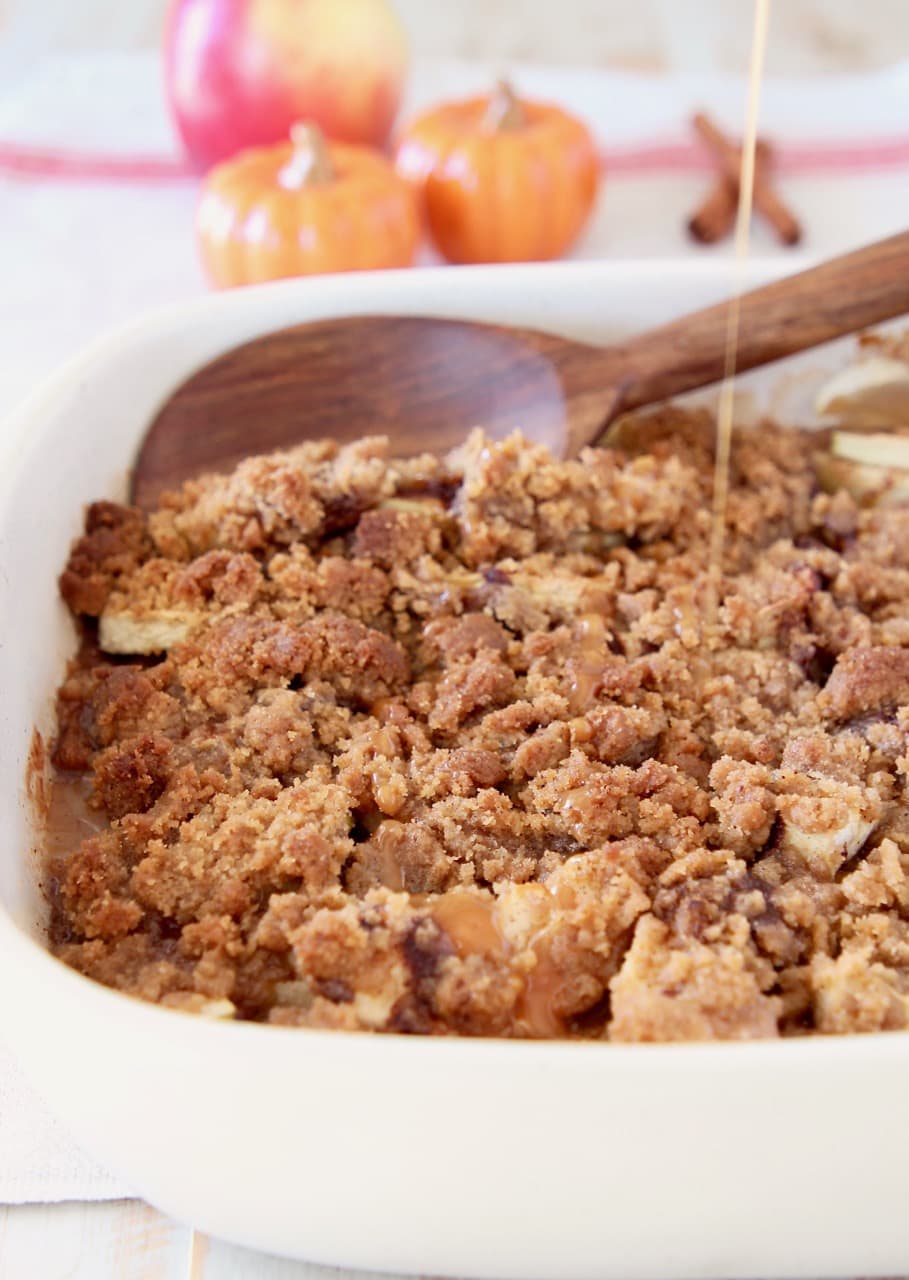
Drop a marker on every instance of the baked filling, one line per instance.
(454, 746)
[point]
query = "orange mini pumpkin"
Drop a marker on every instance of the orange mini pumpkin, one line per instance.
(304, 207)
(502, 179)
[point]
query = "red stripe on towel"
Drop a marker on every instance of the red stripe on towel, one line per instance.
(653, 158)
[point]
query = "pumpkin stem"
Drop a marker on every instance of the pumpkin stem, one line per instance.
(504, 110)
(309, 164)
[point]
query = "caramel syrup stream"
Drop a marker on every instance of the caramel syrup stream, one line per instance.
(726, 405)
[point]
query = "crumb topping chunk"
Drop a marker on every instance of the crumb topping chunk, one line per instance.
(456, 746)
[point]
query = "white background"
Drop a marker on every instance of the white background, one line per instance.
(806, 35)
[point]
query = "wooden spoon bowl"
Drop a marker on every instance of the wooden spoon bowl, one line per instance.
(426, 382)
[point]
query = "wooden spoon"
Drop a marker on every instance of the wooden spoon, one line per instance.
(425, 382)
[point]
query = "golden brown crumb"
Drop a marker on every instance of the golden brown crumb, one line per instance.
(454, 746)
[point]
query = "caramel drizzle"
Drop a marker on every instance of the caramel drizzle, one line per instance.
(726, 405)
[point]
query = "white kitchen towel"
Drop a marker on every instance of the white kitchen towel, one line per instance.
(80, 254)
(38, 1159)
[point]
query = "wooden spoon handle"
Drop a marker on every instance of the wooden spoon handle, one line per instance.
(802, 311)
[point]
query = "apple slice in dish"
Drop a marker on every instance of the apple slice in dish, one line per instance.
(873, 449)
(868, 485)
(872, 466)
(872, 393)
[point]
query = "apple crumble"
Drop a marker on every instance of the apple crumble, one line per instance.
(455, 746)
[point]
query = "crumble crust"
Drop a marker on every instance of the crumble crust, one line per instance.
(453, 745)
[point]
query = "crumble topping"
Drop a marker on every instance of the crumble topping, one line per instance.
(454, 745)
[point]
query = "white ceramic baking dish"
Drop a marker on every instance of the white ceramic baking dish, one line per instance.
(450, 1157)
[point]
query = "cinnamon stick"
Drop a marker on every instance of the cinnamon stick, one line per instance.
(715, 218)
(766, 200)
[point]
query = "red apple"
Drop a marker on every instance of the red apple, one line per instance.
(241, 72)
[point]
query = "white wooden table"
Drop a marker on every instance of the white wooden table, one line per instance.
(806, 36)
(128, 1240)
